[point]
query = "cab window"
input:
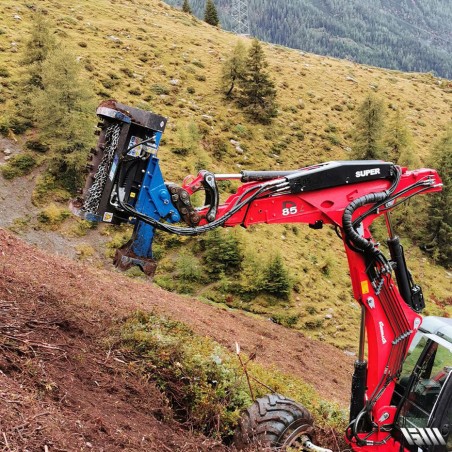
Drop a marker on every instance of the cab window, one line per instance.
(431, 374)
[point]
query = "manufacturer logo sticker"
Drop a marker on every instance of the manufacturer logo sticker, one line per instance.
(367, 172)
(382, 332)
(423, 436)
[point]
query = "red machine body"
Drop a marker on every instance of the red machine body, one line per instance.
(390, 324)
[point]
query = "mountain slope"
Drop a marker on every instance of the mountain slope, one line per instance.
(60, 386)
(397, 34)
(149, 55)
(96, 300)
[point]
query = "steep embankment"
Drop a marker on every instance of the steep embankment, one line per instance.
(96, 299)
(60, 388)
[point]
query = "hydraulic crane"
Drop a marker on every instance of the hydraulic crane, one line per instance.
(125, 184)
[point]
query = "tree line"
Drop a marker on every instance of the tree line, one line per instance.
(400, 34)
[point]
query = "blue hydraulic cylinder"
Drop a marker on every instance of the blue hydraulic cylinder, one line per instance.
(154, 200)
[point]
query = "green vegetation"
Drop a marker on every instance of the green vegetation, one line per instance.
(57, 101)
(205, 383)
(18, 165)
(62, 113)
(400, 142)
(440, 208)
(258, 94)
(186, 7)
(277, 280)
(210, 13)
(177, 68)
(234, 68)
(53, 215)
(368, 131)
(222, 253)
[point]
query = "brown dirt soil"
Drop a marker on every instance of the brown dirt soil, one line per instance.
(59, 386)
(59, 389)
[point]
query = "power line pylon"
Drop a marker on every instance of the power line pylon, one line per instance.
(240, 20)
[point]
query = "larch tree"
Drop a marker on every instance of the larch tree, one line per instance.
(40, 43)
(233, 69)
(258, 93)
(210, 13)
(62, 113)
(400, 142)
(439, 222)
(368, 130)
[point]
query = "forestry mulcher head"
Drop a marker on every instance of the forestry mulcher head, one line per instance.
(130, 136)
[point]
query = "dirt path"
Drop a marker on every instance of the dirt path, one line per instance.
(112, 295)
(16, 204)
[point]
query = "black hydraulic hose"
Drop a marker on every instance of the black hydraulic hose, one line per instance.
(347, 221)
(389, 192)
(269, 186)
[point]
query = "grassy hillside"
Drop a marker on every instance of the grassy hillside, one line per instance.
(149, 55)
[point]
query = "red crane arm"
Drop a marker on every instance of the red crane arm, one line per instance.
(390, 323)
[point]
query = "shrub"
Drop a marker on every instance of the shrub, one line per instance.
(127, 71)
(4, 125)
(180, 151)
(19, 124)
(198, 63)
(18, 165)
(223, 254)
(159, 89)
(37, 145)
(277, 280)
(53, 215)
(199, 379)
(216, 146)
(188, 267)
(84, 251)
(242, 131)
(203, 382)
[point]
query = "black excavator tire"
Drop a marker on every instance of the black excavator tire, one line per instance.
(273, 422)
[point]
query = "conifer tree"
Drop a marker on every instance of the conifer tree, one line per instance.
(258, 96)
(400, 142)
(234, 68)
(223, 254)
(186, 7)
(40, 43)
(368, 131)
(440, 209)
(210, 13)
(277, 280)
(62, 113)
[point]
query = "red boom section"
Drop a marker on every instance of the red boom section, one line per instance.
(390, 323)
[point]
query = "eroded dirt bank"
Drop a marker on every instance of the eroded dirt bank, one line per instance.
(59, 386)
